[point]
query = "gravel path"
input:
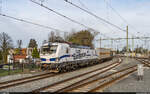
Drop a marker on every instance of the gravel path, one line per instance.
(131, 84)
(28, 87)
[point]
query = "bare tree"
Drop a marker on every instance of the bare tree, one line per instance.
(19, 43)
(32, 43)
(55, 37)
(5, 45)
(51, 36)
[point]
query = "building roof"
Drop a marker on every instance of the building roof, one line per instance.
(17, 57)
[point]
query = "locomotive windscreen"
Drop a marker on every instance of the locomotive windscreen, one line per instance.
(53, 49)
(49, 49)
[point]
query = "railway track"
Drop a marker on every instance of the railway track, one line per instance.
(111, 80)
(16, 82)
(144, 61)
(63, 84)
(100, 83)
(93, 84)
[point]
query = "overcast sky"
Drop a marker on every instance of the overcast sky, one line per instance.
(136, 13)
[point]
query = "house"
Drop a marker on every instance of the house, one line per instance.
(23, 55)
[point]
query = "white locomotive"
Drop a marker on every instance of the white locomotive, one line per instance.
(62, 57)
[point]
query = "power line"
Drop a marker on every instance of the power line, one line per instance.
(120, 16)
(82, 4)
(95, 15)
(60, 14)
(107, 12)
(65, 16)
(0, 6)
(115, 11)
(22, 20)
(140, 38)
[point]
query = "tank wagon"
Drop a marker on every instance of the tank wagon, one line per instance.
(61, 57)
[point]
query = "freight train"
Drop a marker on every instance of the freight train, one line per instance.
(62, 57)
(105, 54)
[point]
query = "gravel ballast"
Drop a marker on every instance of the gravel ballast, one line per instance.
(18, 76)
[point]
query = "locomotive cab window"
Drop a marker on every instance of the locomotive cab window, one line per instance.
(45, 49)
(49, 50)
(53, 49)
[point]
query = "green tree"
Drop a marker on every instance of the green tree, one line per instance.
(17, 51)
(125, 49)
(5, 45)
(1, 57)
(140, 50)
(83, 37)
(35, 53)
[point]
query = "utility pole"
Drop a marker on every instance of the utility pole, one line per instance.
(127, 46)
(100, 47)
(132, 45)
(148, 50)
(127, 40)
(146, 47)
(112, 43)
(100, 42)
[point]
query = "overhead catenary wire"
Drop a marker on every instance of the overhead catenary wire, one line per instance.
(60, 14)
(1, 6)
(83, 4)
(115, 11)
(29, 22)
(74, 21)
(104, 24)
(95, 16)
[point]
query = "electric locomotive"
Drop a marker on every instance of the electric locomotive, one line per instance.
(62, 57)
